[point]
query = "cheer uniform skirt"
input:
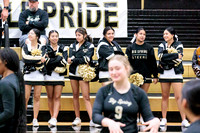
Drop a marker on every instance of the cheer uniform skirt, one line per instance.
(170, 76)
(34, 78)
(54, 79)
(104, 76)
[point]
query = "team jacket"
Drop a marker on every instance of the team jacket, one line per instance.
(81, 56)
(54, 60)
(105, 51)
(38, 20)
(168, 60)
(142, 59)
(32, 62)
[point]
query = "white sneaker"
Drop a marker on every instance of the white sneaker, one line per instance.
(163, 122)
(35, 123)
(49, 120)
(77, 128)
(92, 124)
(76, 122)
(163, 128)
(185, 123)
(53, 122)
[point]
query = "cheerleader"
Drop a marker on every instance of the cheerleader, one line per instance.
(12, 98)
(33, 58)
(80, 52)
(106, 49)
(56, 66)
(170, 53)
(142, 59)
(120, 101)
(196, 62)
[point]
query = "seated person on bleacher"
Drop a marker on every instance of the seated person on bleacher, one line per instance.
(196, 62)
(33, 18)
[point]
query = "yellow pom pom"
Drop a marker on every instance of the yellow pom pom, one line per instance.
(36, 52)
(136, 79)
(60, 69)
(86, 72)
(172, 50)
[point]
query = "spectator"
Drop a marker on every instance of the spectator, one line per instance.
(191, 104)
(33, 17)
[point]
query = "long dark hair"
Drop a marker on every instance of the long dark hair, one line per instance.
(12, 62)
(191, 92)
(106, 29)
(84, 32)
(172, 31)
(51, 32)
(136, 32)
(37, 33)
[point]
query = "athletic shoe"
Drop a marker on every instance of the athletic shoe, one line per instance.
(92, 124)
(76, 122)
(49, 120)
(77, 128)
(163, 122)
(163, 128)
(35, 123)
(53, 122)
(185, 123)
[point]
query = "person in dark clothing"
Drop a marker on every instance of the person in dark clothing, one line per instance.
(80, 53)
(56, 66)
(106, 49)
(117, 104)
(170, 53)
(142, 59)
(33, 18)
(191, 104)
(196, 62)
(12, 94)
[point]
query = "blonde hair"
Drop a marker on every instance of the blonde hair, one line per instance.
(124, 61)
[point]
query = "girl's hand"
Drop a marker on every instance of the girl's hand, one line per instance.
(114, 127)
(152, 125)
(155, 80)
(180, 56)
(69, 60)
(43, 59)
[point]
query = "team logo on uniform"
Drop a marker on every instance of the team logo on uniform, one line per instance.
(85, 50)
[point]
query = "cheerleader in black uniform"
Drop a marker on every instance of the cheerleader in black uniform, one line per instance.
(196, 62)
(80, 52)
(33, 58)
(106, 49)
(117, 104)
(142, 59)
(56, 66)
(170, 53)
